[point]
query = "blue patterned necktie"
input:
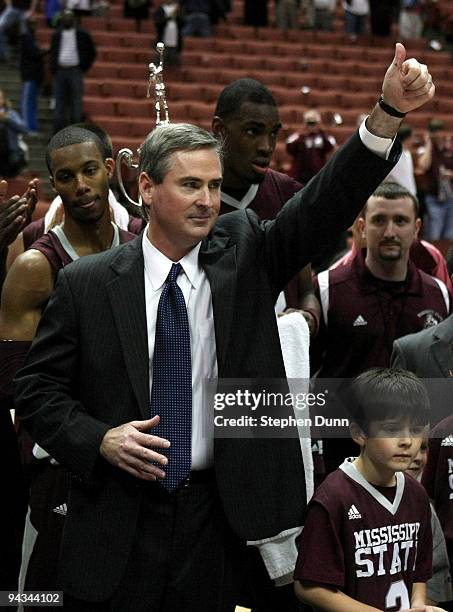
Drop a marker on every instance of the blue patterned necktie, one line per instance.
(171, 394)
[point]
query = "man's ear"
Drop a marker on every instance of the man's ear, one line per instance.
(361, 226)
(418, 224)
(357, 434)
(109, 164)
(218, 127)
(146, 187)
(52, 182)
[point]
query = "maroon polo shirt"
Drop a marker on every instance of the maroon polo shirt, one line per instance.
(372, 543)
(273, 192)
(365, 315)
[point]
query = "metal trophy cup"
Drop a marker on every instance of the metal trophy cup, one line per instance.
(156, 78)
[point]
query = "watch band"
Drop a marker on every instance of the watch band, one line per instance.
(389, 109)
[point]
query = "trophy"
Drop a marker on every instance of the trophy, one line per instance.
(155, 84)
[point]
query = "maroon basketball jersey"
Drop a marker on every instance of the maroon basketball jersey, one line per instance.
(50, 245)
(372, 543)
(438, 474)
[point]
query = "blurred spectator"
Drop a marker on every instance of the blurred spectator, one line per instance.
(31, 65)
(256, 13)
(381, 13)
(72, 52)
(197, 18)
(80, 8)
(168, 29)
(12, 153)
(310, 149)
(308, 8)
(287, 14)
(403, 172)
(52, 9)
(356, 17)
(436, 160)
(324, 13)
(410, 19)
(14, 14)
(138, 10)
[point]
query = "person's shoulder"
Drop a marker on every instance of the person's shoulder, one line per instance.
(283, 182)
(232, 222)
(30, 272)
(443, 429)
(424, 337)
(332, 487)
(340, 274)
(33, 231)
(416, 491)
(101, 261)
(429, 281)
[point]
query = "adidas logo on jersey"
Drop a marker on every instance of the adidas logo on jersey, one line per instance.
(448, 441)
(359, 321)
(62, 509)
(353, 513)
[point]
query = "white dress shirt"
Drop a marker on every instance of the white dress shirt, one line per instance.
(195, 287)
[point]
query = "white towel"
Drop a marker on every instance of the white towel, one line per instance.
(279, 553)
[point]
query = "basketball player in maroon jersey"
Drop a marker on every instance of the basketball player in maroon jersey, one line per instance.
(367, 543)
(80, 174)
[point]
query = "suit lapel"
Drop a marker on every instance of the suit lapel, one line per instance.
(127, 297)
(442, 348)
(219, 262)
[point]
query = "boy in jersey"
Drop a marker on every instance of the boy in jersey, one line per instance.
(366, 543)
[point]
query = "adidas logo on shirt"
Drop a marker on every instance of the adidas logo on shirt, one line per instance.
(359, 321)
(448, 441)
(62, 509)
(353, 513)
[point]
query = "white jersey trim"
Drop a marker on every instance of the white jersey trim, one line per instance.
(444, 291)
(323, 282)
(246, 200)
(58, 231)
(350, 470)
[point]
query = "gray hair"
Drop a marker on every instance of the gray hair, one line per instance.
(166, 139)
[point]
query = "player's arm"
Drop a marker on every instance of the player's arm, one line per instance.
(327, 599)
(26, 289)
(308, 302)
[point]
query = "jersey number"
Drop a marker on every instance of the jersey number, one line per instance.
(397, 597)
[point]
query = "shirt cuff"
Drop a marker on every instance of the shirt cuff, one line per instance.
(376, 144)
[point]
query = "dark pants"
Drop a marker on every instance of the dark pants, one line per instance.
(68, 92)
(184, 557)
(14, 507)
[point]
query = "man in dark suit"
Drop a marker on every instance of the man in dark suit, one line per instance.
(429, 353)
(132, 540)
(72, 53)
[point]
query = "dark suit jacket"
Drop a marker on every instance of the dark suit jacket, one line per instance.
(88, 369)
(429, 353)
(85, 47)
